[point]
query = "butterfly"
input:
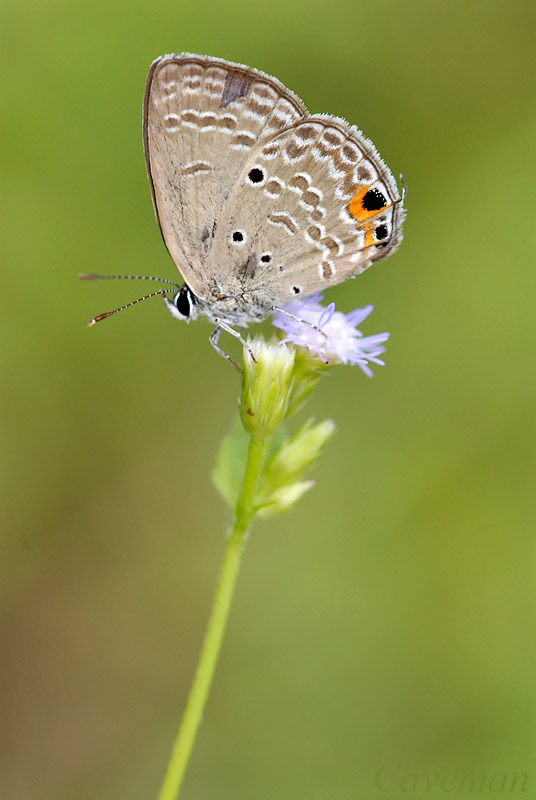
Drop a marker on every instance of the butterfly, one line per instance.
(259, 202)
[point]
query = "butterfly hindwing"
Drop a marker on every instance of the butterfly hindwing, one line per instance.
(323, 208)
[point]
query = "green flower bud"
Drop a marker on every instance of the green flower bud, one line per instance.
(298, 453)
(283, 498)
(266, 385)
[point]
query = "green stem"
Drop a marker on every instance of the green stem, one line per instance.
(217, 622)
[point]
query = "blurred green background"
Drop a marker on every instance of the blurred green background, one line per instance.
(390, 618)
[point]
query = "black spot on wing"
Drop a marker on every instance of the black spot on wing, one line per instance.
(374, 200)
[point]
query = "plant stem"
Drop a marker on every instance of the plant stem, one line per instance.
(217, 622)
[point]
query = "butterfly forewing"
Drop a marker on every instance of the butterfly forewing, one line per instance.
(203, 118)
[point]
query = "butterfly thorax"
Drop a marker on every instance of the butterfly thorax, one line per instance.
(239, 310)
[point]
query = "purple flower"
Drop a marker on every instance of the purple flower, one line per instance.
(334, 337)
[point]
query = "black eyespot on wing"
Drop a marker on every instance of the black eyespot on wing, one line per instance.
(296, 289)
(256, 175)
(373, 200)
(381, 232)
(238, 236)
(266, 258)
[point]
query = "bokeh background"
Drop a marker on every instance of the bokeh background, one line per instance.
(389, 620)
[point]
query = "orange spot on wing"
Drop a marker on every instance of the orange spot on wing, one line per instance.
(355, 206)
(369, 234)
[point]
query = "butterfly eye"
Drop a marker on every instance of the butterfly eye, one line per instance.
(238, 237)
(256, 175)
(182, 303)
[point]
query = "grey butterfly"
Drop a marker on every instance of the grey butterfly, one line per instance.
(258, 201)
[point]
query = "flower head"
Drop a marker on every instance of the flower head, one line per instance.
(331, 335)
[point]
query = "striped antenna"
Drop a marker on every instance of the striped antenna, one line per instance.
(89, 276)
(84, 276)
(133, 303)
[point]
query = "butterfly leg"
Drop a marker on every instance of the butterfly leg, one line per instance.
(298, 319)
(213, 339)
(215, 335)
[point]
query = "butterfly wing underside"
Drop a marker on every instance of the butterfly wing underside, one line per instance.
(202, 117)
(255, 198)
(327, 207)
